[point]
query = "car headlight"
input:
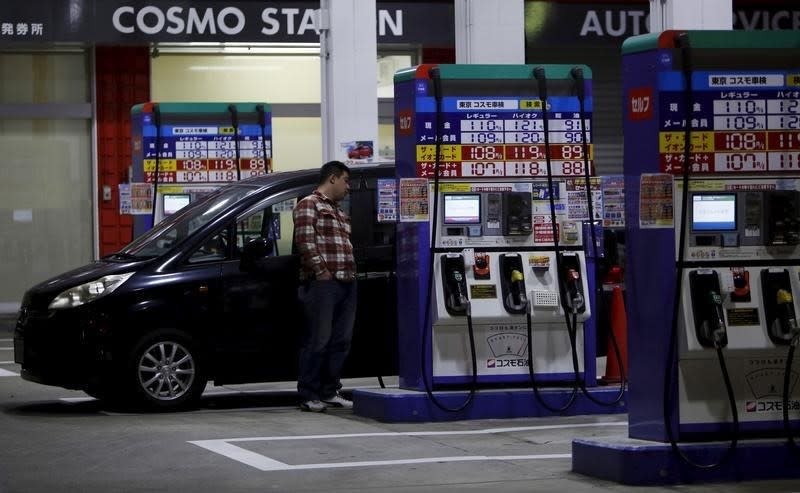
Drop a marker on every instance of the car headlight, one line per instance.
(89, 291)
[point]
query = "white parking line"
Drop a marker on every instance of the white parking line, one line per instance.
(6, 373)
(261, 462)
(6, 348)
(6, 340)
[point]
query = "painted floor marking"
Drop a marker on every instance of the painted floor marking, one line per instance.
(226, 447)
(6, 362)
(6, 348)
(6, 373)
(6, 340)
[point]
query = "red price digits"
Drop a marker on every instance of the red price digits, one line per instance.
(571, 168)
(525, 152)
(256, 164)
(569, 152)
(192, 164)
(482, 153)
(223, 164)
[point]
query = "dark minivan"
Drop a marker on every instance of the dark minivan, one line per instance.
(209, 294)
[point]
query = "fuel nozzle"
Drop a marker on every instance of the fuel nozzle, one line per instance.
(458, 293)
(518, 288)
(717, 322)
(574, 296)
(786, 316)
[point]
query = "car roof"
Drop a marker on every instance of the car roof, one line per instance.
(302, 176)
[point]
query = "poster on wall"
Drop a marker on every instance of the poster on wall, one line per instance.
(357, 152)
(655, 201)
(387, 200)
(141, 197)
(413, 200)
(613, 188)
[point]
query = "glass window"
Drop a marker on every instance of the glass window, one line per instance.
(271, 219)
(44, 77)
(180, 226)
(214, 249)
(193, 77)
(46, 207)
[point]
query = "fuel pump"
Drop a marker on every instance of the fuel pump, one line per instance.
(476, 137)
(188, 150)
(712, 270)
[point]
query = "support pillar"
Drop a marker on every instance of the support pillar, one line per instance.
(691, 15)
(490, 31)
(349, 67)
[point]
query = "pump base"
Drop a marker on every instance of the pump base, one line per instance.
(640, 462)
(400, 405)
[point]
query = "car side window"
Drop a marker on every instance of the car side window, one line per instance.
(213, 249)
(271, 219)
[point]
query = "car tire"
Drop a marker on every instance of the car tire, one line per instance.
(165, 371)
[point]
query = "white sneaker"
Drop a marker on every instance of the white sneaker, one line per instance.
(338, 401)
(314, 406)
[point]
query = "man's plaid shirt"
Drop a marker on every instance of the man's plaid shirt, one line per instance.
(322, 237)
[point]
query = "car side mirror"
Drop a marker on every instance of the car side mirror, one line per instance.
(255, 250)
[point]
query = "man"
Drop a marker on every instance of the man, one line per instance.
(328, 288)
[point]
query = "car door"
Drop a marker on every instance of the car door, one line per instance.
(261, 312)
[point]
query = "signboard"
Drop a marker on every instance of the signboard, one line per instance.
(500, 137)
(204, 153)
(742, 122)
(177, 21)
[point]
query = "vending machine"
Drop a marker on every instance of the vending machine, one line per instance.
(712, 184)
(494, 288)
(187, 150)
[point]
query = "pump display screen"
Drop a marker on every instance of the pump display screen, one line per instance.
(173, 202)
(462, 208)
(714, 212)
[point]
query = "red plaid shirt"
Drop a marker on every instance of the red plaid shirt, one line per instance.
(322, 237)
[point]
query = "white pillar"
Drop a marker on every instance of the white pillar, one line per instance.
(349, 67)
(691, 15)
(490, 31)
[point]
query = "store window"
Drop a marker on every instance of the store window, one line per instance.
(46, 199)
(286, 79)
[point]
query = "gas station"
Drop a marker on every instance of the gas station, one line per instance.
(519, 261)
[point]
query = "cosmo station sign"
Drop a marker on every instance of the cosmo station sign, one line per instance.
(138, 22)
(431, 22)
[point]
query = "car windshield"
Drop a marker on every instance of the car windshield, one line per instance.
(179, 226)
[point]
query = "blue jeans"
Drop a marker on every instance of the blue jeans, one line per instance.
(330, 311)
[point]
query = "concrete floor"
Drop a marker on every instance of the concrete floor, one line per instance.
(253, 438)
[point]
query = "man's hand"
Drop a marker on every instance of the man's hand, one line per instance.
(325, 276)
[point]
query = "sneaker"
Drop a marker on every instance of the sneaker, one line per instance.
(313, 406)
(338, 401)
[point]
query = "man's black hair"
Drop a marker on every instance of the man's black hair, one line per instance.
(332, 168)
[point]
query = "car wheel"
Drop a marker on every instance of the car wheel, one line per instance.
(165, 369)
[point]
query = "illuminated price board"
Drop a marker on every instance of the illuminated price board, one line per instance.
(202, 153)
(497, 137)
(742, 122)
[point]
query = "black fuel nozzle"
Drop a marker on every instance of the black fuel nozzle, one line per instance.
(459, 296)
(717, 322)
